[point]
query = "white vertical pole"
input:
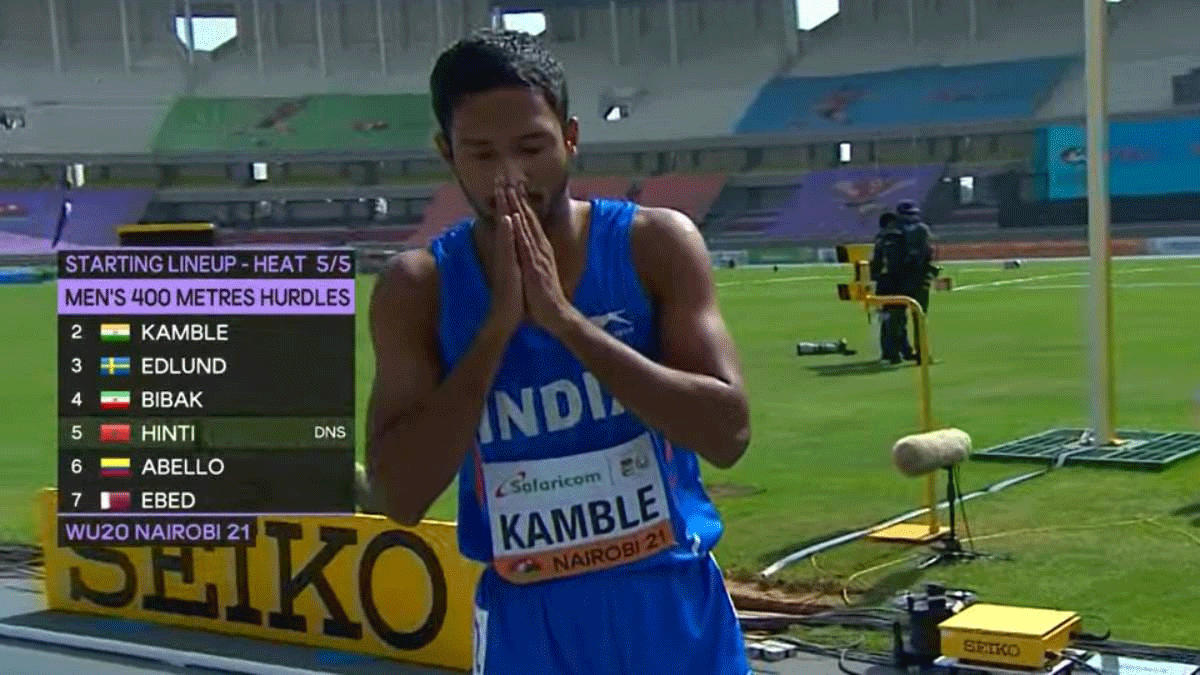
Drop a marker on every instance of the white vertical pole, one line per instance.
(256, 11)
(790, 27)
(382, 37)
(614, 31)
(673, 32)
(439, 16)
(912, 22)
(123, 17)
(319, 26)
(973, 16)
(55, 45)
(191, 31)
(1100, 294)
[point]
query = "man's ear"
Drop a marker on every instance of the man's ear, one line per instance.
(443, 146)
(571, 136)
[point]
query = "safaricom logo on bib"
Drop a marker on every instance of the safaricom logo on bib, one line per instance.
(521, 483)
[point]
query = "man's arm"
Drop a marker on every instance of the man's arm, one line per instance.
(877, 259)
(419, 429)
(695, 397)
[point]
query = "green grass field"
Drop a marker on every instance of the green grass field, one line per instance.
(1011, 361)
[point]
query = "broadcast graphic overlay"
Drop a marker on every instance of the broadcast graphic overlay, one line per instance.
(200, 389)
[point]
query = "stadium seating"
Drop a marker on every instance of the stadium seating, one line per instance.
(19, 244)
(450, 206)
(319, 122)
(95, 214)
(844, 204)
(702, 97)
(321, 236)
(908, 97)
(99, 127)
(860, 71)
(832, 206)
(690, 194)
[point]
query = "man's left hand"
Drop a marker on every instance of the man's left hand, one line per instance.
(548, 305)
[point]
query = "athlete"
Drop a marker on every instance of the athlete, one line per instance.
(566, 360)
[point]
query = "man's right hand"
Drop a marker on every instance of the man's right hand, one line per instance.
(508, 296)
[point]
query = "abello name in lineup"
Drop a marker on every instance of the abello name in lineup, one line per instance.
(182, 466)
(185, 332)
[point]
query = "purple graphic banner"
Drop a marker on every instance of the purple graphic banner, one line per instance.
(32, 216)
(205, 296)
(93, 219)
(844, 204)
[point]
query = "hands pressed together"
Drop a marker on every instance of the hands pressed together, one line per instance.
(525, 281)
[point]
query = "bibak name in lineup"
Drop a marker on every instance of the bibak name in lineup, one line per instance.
(567, 361)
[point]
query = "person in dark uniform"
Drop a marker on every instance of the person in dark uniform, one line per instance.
(887, 267)
(918, 268)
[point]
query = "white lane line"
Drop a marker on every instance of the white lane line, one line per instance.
(1136, 284)
(773, 280)
(1041, 277)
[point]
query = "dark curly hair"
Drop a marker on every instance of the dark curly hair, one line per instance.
(492, 59)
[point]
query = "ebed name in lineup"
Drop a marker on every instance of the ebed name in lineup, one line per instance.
(200, 531)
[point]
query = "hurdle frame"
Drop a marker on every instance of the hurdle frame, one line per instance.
(932, 529)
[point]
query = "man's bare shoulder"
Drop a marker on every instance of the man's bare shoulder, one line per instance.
(408, 280)
(655, 224)
(662, 238)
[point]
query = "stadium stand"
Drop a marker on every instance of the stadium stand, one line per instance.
(130, 87)
(320, 236)
(447, 206)
(688, 193)
(32, 216)
(95, 96)
(1149, 43)
(832, 206)
(317, 122)
(450, 206)
(908, 97)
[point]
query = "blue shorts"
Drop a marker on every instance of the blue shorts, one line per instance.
(674, 619)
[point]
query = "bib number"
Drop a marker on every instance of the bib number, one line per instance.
(561, 517)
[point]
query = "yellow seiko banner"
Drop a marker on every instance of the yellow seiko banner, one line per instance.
(354, 583)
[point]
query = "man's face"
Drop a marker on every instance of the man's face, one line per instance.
(511, 133)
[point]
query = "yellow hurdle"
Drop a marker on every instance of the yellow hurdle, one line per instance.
(861, 290)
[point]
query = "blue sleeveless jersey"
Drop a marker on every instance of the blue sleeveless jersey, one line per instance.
(544, 405)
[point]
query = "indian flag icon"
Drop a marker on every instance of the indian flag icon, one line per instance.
(114, 332)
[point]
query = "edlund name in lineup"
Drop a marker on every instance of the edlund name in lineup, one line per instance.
(183, 365)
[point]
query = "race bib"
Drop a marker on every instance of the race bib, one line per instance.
(553, 518)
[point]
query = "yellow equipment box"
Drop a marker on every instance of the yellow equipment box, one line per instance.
(1016, 637)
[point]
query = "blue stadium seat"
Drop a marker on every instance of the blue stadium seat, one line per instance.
(906, 97)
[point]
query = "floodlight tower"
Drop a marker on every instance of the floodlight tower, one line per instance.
(1099, 308)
